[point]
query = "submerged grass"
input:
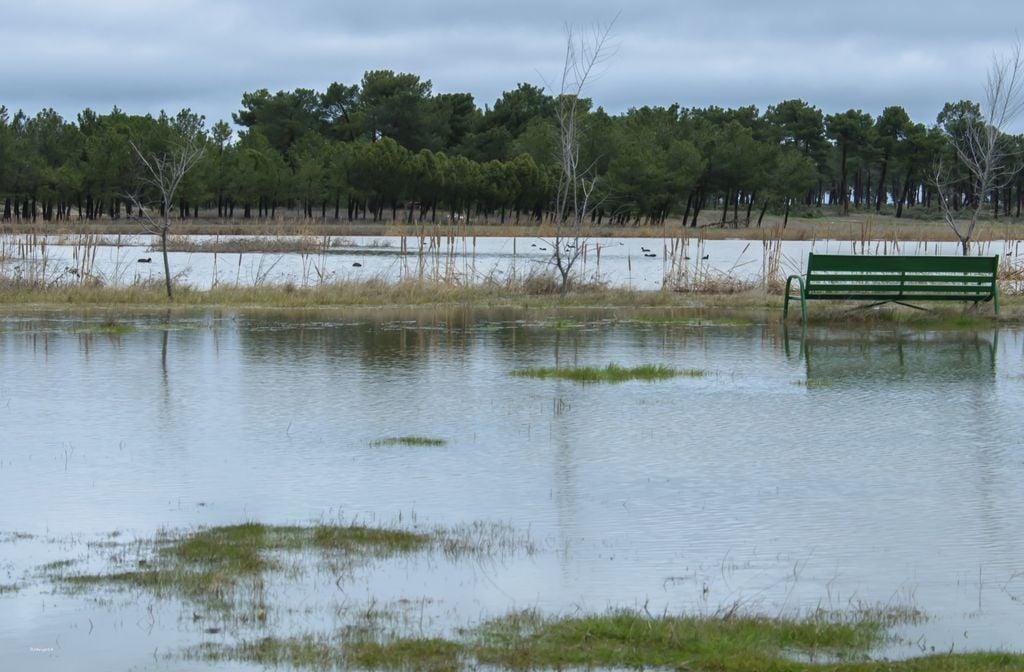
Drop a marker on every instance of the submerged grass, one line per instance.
(624, 639)
(224, 569)
(408, 441)
(207, 565)
(320, 652)
(613, 373)
(107, 326)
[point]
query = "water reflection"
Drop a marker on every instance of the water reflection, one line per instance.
(834, 356)
(878, 463)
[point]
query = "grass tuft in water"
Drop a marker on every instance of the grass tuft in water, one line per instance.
(320, 652)
(107, 326)
(225, 568)
(408, 441)
(207, 565)
(633, 639)
(420, 653)
(613, 373)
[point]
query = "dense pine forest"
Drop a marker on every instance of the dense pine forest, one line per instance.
(390, 148)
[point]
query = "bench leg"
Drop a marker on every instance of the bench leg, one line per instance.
(789, 296)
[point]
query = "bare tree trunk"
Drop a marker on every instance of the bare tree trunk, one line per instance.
(167, 265)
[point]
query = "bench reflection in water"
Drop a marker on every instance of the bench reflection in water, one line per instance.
(833, 357)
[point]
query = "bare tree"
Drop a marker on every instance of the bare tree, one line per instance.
(159, 176)
(586, 49)
(982, 148)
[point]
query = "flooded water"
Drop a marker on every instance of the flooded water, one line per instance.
(640, 263)
(848, 468)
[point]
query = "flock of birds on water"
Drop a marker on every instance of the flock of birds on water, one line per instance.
(643, 250)
(568, 247)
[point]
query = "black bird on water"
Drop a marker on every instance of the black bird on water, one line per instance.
(650, 255)
(357, 265)
(145, 260)
(705, 257)
(644, 249)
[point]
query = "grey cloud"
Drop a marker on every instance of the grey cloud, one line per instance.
(144, 55)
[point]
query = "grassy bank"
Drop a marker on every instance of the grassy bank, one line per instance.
(664, 307)
(827, 224)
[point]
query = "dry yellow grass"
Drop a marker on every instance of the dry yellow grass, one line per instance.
(856, 226)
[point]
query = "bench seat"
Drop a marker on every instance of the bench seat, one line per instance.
(894, 279)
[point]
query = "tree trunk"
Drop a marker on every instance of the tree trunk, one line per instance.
(167, 265)
(697, 202)
(845, 197)
(880, 196)
(764, 206)
(903, 195)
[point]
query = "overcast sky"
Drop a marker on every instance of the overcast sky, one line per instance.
(147, 55)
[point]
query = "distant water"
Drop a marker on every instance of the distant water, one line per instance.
(620, 262)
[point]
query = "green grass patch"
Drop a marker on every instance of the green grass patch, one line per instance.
(56, 567)
(621, 640)
(633, 639)
(408, 441)
(108, 326)
(320, 652)
(613, 373)
(208, 565)
(226, 569)
(423, 653)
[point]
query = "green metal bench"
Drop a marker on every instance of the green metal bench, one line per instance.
(893, 279)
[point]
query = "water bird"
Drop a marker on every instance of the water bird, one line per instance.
(644, 249)
(650, 254)
(357, 265)
(145, 260)
(543, 249)
(705, 257)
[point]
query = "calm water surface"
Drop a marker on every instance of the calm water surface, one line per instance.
(853, 468)
(622, 261)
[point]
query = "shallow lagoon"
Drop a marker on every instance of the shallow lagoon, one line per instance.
(853, 467)
(619, 261)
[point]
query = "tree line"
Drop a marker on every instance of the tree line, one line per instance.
(390, 148)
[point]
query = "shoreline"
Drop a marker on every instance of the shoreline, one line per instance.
(746, 307)
(855, 227)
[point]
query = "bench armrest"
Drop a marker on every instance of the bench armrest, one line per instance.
(799, 280)
(803, 299)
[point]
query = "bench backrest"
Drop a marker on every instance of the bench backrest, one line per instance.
(864, 277)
